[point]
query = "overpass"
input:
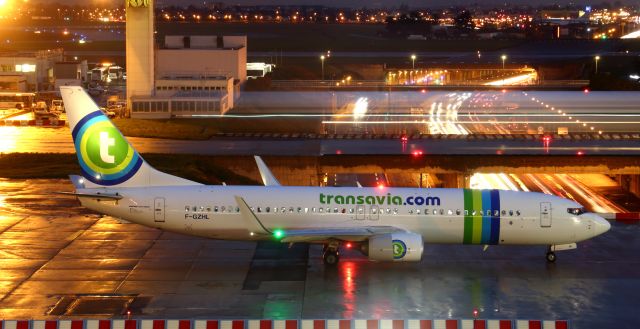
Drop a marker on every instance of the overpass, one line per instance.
(443, 170)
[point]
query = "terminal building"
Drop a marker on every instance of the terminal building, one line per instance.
(186, 76)
(23, 71)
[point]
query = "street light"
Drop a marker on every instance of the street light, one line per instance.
(322, 60)
(504, 58)
(413, 61)
(597, 58)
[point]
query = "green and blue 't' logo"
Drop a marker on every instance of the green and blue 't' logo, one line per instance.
(399, 249)
(105, 157)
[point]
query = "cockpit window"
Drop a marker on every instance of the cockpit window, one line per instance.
(576, 211)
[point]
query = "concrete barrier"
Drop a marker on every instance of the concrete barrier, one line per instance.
(285, 324)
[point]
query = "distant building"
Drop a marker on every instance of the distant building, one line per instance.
(73, 73)
(186, 76)
(209, 54)
(28, 70)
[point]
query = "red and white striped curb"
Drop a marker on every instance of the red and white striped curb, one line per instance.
(285, 324)
(621, 216)
(24, 123)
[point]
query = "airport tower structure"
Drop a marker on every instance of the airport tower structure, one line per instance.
(140, 48)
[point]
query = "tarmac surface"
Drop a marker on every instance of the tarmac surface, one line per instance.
(60, 260)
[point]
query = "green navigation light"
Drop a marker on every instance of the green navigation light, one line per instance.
(278, 234)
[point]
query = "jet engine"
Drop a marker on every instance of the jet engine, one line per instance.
(397, 247)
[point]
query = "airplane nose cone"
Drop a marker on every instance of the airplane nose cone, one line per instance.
(600, 225)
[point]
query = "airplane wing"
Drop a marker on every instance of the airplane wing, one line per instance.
(340, 233)
(360, 233)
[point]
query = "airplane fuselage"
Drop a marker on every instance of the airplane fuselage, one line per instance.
(458, 216)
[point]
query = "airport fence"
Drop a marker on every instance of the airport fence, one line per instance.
(284, 324)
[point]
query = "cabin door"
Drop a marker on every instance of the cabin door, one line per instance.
(158, 210)
(545, 214)
(374, 212)
(360, 212)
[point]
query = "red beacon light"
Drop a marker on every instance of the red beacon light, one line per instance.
(380, 186)
(416, 153)
(580, 153)
(404, 138)
(348, 245)
(586, 90)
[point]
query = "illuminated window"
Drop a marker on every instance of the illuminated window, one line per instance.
(25, 68)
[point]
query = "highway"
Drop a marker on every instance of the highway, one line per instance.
(576, 187)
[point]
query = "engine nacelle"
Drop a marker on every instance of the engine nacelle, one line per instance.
(396, 247)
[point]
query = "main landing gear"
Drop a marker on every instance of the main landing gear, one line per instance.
(551, 256)
(330, 254)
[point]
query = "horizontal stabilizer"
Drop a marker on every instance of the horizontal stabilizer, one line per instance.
(99, 196)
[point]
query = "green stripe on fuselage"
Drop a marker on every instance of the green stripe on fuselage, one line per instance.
(477, 219)
(468, 219)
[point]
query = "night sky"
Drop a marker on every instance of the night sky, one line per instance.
(349, 3)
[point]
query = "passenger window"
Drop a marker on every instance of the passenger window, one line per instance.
(268, 209)
(458, 212)
(488, 212)
(435, 211)
(496, 213)
(473, 212)
(328, 210)
(395, 211)
(259, 209)
(410, 211)
(441, 211)
(388, 210)
(283, 209)
(417, 211)
(351, 210)
(344, 210)
(466, 212)
(208, 209)
(299, 209)
(222, 209)
(449, 212)
(290, 209)
(215, 209)
(320, 210)
(517, 212)
(237, 209)
(195, 208)
(426, 211)
(335, 210)
(504, 213)
(313, 209)
(201, 208)
(510, 212)
(186, 208)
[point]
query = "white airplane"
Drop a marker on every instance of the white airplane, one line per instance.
(386, 224)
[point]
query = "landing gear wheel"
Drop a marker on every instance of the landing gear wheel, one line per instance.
(551, 256)
(331, 258)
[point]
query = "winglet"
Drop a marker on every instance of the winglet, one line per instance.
(251, 220)
(267, 177)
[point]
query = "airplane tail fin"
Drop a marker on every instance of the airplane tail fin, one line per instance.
(106, 157)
